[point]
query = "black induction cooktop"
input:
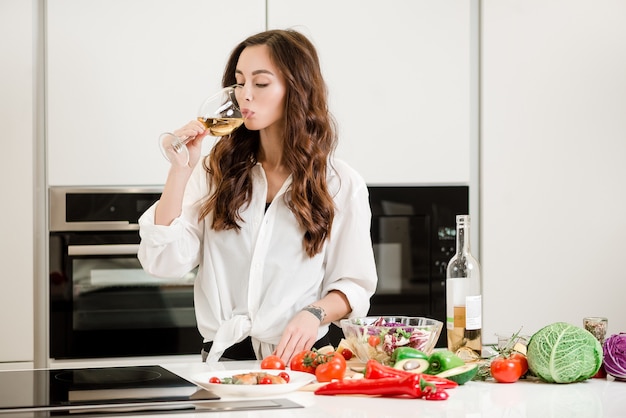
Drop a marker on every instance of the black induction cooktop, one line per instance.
(93, 389)
(98, 392)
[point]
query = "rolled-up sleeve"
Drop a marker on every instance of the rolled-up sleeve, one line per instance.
(173, 250)
(350, 265)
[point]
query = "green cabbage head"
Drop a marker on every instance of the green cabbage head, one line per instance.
(564, 353)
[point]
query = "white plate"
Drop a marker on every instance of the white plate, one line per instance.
(296, 381)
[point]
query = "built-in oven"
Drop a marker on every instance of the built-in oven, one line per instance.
(102, 303)
(414, 237)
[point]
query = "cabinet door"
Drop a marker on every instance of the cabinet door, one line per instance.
(121, 72)
(398, 74)
(16, 182)
(552, 164)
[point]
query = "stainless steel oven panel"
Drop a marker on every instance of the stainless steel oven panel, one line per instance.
(58, 210)
(101, 302)
(104, 249)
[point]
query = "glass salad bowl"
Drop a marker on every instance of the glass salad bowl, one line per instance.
(375, 337)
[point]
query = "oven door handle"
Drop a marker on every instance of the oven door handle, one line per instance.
(106, 249)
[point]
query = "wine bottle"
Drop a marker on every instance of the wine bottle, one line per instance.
(463, 297)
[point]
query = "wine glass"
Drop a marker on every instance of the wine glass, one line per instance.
(219, 113)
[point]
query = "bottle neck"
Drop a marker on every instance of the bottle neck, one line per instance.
(462, 238)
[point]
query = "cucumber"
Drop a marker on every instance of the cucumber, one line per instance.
(461, 374)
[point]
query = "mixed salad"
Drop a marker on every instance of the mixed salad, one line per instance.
(378, 339)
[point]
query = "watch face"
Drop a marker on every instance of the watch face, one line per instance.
(317, 311)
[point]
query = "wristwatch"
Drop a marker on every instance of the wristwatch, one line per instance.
(317, 311)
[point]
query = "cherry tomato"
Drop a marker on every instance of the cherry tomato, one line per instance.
(285, 376)
(330, 366)
(506, 369)
(215, 380)
(346, 353)
(522, 360)
(373, 340)
(265, 381)
(273, 362)
(304, 361)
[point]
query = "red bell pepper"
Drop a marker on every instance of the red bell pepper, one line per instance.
(412, 386)
(376, 370)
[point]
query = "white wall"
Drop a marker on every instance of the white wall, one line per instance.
(16, 181)
(553, 173)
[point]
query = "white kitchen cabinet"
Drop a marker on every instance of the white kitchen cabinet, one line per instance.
(16, 183)
(398, 74)
(120, 72)
(552, 166)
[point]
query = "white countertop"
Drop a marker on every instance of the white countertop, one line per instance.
(589, 399)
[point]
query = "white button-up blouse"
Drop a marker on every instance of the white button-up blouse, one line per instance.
(251, 282)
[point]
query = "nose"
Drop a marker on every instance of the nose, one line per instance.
(245, 92)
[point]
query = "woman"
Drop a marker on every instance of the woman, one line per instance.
(279, 229)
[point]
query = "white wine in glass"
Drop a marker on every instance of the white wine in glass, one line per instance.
(219, 113)
(221, 126)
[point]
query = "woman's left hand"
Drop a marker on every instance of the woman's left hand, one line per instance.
(299, 334)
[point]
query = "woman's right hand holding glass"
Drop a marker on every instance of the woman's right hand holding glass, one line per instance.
(218, 116)
(193, 132)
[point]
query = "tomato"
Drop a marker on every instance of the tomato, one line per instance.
(522, 360)
(304, 361)
(265, 381)
(273, 362)
(506, 369)
(215, 380)
(346, 353)
(285, 376)
(330, 366)
(373, 340)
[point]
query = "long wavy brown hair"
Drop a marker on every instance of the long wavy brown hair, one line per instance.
(309, 139)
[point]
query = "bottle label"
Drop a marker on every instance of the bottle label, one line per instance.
(473, 312)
